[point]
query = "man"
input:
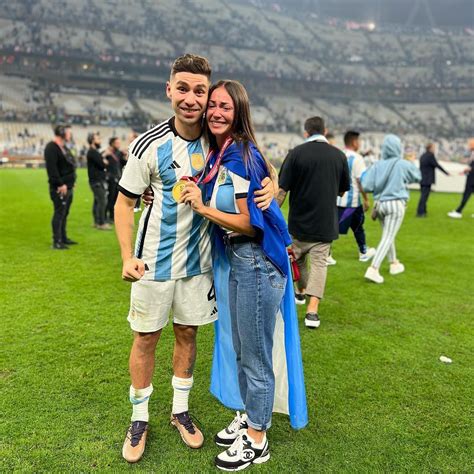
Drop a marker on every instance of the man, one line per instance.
(428, 165)
(171, 265)
(469, 189)
(96, 169)
(350, 207)
(61, 169)
(116, 162)
(314, 173)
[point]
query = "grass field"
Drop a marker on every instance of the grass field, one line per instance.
(379, 398)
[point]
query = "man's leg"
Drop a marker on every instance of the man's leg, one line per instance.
(69, 197)
(300, 255)
(142, 365)
(184, 358)
(357, 226)
(59, 204)
(424, 194)
(465, 197)
(318, 254)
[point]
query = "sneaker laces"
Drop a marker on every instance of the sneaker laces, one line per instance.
(135, 432)
(238, 445)
(235, 423)
(185, 420)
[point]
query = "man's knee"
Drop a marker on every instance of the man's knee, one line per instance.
(185, 335)
(145, 342)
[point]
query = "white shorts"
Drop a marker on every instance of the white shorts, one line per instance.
(192, 300)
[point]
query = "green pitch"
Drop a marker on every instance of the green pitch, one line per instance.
(379, 398)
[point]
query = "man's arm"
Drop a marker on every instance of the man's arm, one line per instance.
(133, 268)
(281, 196)
(365, 197)
(345, 181)
(437, 165)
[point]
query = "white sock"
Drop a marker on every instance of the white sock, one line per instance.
(139, 398)
(181, 387)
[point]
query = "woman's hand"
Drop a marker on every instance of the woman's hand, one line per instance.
(192, 195)
(264, 196)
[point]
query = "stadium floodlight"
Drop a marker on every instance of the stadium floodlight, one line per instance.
(371, 26)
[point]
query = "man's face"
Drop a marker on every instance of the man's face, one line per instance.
(117, 144)
(97, 140)
(67, 134)
(356, 144)
(188, 94)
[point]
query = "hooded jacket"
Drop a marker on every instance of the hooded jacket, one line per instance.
(389, 177)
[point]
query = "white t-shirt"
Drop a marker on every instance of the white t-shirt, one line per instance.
(172, 240)
(357, 166)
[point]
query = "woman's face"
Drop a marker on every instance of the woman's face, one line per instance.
(220, 113)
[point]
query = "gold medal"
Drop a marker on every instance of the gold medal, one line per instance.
(178, 189)
(197, 161)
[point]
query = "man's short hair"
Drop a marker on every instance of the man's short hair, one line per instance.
(111, 141)
(429, 145)
(350, 136)
(330, 136)
(314, 125)
(192, 63)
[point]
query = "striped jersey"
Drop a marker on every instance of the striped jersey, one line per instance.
(227, 189)
(172, 240)
(356, 164)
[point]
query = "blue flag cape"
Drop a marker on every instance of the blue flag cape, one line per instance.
(290, 396)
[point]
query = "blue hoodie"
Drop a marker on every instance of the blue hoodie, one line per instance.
(388, 178)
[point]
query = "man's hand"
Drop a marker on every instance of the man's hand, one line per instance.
(265, 195)
(365, 205)
(62, 190)
(133, 269)
(148, 197)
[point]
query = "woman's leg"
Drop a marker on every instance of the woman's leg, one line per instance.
(392, 213)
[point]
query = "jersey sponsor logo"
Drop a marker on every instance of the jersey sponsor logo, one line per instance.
(174, 165)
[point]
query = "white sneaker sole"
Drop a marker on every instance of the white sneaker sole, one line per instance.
(299, 303)
(373, 281)
(396, 272)
(312, 324)
(260, 460)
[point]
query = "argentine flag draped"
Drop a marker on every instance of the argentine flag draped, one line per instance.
(290, 396)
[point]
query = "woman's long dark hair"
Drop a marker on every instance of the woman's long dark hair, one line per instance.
(242, 130)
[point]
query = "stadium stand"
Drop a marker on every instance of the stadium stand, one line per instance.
(114, 58)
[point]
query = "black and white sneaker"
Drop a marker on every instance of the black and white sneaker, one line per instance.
(312, 320)
(227, 436)
(242, 454)
(299, 298)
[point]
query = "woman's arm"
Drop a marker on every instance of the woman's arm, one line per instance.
(237, 222)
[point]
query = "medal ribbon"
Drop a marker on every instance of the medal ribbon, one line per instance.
(200, 179)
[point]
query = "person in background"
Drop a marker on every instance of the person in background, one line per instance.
(469, 188)
(350, 206)
(61, 169)
(116, 162)
(388, 179)
(428, 165)
(314, 173)
(331, 138)
(96, 169)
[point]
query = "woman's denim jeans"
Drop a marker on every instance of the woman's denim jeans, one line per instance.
(256, 288)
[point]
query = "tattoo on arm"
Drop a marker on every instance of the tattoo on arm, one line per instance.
(281, 197)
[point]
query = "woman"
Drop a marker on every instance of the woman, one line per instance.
(255, 245)
(388, 180)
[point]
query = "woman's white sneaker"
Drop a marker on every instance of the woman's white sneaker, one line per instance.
(396, 268)
(373, 275)
(243, 452)
(228, 435)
